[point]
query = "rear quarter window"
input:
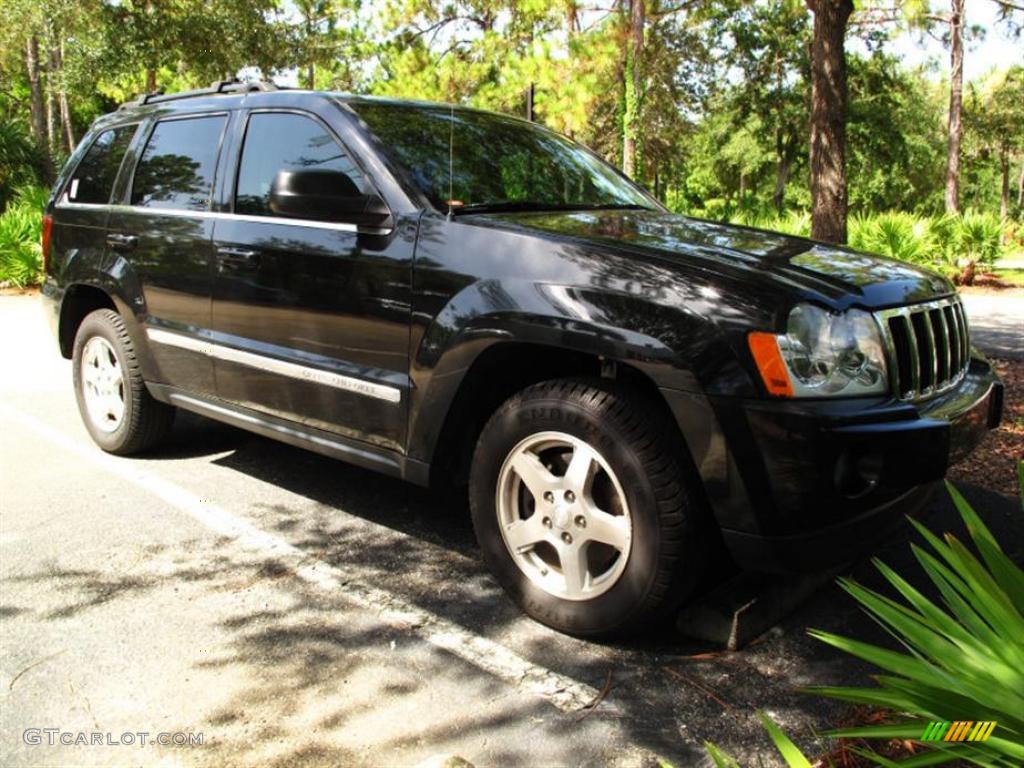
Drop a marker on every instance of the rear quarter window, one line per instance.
(93, 179)
(177, 167)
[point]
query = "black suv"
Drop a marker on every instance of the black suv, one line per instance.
(448, 295)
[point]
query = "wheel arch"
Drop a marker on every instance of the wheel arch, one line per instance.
(79, 300)
(496, 373)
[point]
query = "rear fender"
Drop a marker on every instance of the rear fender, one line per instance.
(117, 279)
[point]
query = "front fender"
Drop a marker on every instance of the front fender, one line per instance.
(666, 341)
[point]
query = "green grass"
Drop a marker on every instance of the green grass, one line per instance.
(1014, 277)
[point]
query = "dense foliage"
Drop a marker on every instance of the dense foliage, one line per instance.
(20, 247)
(707, 103)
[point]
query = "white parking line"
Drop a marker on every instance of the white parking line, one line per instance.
(563, 692)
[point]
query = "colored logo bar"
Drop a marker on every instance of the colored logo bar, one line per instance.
(959, 730)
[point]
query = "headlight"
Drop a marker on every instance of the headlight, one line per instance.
(823, 355)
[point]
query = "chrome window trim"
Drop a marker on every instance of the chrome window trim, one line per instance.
(274, 365)
(180, 213)
(905, 313)
(65, 182)
(154, 123)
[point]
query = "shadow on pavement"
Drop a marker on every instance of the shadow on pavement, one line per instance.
(320, 675)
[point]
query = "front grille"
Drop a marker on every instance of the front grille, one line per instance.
(928, 347)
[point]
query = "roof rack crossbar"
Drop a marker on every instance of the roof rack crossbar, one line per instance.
(232, 85)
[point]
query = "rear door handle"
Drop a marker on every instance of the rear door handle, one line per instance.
(237, 258)
(122, 242)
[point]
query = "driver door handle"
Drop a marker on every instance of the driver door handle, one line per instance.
(122, 242)
(237, 258)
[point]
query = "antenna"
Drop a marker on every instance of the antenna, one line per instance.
(451, 158)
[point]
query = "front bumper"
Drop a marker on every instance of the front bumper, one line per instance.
(803, 485)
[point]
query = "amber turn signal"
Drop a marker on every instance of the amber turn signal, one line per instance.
(765, 349)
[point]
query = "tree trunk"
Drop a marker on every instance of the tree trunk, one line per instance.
(151, 85)
(828, 119)
(634, 82)
(36, 108)
(781, 179)
(35, 86)
(1004, 192)
(1020, 187)
(51, 117)
(784, 150)
(956, 101)
(66, 121)
(57, 83)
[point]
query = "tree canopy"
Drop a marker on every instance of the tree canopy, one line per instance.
(708, 104)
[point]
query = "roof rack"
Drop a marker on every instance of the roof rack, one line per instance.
(234, 85)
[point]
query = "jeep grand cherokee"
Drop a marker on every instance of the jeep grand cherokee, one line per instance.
(447, 295)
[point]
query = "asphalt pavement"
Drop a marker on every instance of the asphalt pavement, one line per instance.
(288, 609)
(997, 322)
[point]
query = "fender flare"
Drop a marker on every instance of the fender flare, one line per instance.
(614, 327)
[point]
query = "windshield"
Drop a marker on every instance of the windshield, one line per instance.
(497, 162)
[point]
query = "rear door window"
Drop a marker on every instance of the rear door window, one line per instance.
(177, 167)
(93, 179)
(285, 141)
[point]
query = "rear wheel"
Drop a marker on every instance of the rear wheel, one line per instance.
(117, 409)
(581, 510)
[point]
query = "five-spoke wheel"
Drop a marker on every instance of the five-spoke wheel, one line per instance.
(581, 509)
(116, 407)
(564, 515)
(102, 384)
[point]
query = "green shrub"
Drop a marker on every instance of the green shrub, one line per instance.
(792, 223)
(978, 237)
(944, 231)
(954, 245)
(21, 255)
(897, 235)
(19, 160)
(964, 656)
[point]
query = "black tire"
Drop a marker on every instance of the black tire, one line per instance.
(145, 421)
(668, 534)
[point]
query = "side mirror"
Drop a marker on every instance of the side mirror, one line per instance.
(326, 196)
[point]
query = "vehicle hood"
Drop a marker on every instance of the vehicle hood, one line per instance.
(838, 275)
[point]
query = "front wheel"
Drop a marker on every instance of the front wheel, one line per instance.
(581, 508)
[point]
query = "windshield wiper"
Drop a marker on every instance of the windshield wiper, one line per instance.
(508, 206)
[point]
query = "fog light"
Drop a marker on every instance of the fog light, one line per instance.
(857, 474)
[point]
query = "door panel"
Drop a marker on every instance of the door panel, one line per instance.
(311, 318)
(78, 237)
(165, 235)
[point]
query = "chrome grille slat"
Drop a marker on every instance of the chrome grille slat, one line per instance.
(952, 329)
(915, 354)
(943, 336)
(965, 339)
(928, 347)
